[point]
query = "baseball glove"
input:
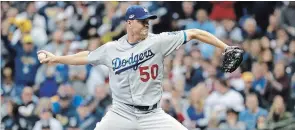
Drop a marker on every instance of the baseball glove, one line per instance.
(232, 58)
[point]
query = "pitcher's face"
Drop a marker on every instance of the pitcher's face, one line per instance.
(145, 28)
(140, 28)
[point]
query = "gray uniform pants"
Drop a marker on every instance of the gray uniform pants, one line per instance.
(124, 117)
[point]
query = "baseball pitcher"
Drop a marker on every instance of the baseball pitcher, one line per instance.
(135, 62)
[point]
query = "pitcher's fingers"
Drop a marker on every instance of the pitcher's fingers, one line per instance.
(43, 51)
(44, 60)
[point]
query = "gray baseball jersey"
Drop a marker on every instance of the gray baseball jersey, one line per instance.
(136, 71)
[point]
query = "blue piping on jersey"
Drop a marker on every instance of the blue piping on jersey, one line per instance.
(133, 44)
(184, 34)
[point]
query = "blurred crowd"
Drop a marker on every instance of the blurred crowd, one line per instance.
(260, 94)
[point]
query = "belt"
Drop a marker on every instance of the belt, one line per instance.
(144, 108)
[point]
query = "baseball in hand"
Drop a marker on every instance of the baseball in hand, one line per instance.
(41, 56)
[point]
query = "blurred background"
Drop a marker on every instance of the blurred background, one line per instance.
(260, 94)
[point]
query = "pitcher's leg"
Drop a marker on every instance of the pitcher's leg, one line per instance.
(159, 120)
(116, 121)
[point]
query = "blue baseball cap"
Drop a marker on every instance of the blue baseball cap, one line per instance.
(136, 12)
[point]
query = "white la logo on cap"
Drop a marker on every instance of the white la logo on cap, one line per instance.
(131, 16)
(145, 10)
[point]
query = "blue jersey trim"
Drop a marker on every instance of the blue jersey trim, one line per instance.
(184, 34)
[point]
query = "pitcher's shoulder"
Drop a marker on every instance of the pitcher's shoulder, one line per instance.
(111, 43)
(152, 36)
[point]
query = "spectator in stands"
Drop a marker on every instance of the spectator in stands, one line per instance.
(167, 106)
(5, 6)
(248, 78)
(265, 43)
(287, 19)
(102, 101)
(105, 29)
(210, 74)
(280, 45)
(255, 49)
(195, 110)
(177, 101)
(247, 58)
(52, 11)
(211, 70)
(222, 98)
(87, 119)
(193, 76)
(32, 14)
(232, 122)
(119, 15)
(203, 23)
(253, 111)
(278, 113)
(166, 16)
(62, 22)
(38, 29)
(26, 61)
(250, 29)
(49, 86)
(178, 67)
(170, 101)
(7, 84)
(229, 32)
(195, 52)
(235, 80)
(59, 76)
(69, 40)
(44, 111)
(267, 57)
(77, 77)
(56, 46)
(77, 74)
(83, 19)
(9, 121)
(278, 83)
(272, 27)
(118, 21)
(260, 82)
(64, 110)
(25, 110)
(76, 99)
(65, 104)
(186, 15)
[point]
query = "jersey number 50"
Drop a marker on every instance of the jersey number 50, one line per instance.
(145, 73)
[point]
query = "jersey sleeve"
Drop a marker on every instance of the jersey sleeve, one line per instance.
(98, 56)
(170, 41)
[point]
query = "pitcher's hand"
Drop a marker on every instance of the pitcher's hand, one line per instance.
(49, 59)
